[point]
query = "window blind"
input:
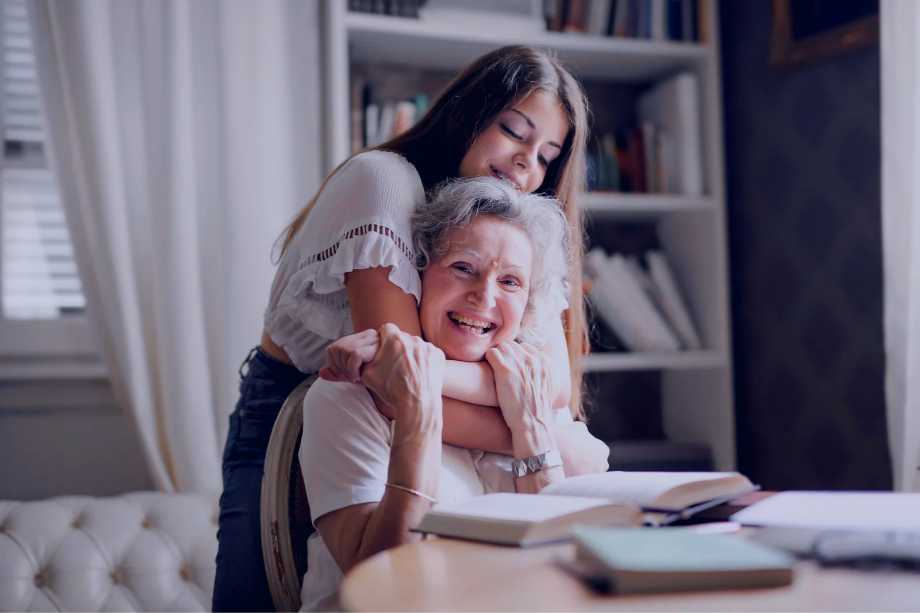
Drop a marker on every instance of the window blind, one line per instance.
(39, 274)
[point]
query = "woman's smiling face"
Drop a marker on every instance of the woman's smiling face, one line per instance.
(474, 296)
(521, 143)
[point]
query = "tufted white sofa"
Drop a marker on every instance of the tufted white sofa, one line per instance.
(144, 551)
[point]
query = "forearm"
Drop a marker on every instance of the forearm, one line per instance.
(473, 426)
(471, 382)
(474, 383)
(467, 425)
(415, 465)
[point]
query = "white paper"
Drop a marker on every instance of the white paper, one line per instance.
(835, 511)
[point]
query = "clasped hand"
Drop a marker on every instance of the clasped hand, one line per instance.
(401, 370)
(522, 384)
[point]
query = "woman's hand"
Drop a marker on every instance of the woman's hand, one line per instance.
(407, 373)
(522, 384)
(346, 356)
(581, 452)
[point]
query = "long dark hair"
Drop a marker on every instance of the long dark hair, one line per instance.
(436, 144)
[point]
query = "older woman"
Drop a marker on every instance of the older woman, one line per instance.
(493, 264)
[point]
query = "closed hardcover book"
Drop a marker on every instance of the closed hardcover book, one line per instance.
(615, 498)
(628, 561)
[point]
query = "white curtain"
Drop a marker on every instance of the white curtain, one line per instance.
(900, 40)
(185, 135)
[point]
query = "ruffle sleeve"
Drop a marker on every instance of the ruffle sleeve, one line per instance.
(361, 220)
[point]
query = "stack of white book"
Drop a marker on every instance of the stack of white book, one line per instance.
(644, 307)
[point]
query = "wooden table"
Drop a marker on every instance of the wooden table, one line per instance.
(443, 574)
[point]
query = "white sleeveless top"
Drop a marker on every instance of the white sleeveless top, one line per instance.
(361, 220)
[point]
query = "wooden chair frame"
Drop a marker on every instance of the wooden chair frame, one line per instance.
(284, 578)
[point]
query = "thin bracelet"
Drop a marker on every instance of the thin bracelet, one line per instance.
(430, 499)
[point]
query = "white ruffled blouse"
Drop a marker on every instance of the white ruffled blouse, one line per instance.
(362, 219)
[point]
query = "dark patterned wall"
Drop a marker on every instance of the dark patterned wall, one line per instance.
(802, 150)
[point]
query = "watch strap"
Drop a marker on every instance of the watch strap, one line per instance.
(535, 463)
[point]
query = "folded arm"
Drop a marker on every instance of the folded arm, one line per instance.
(375, 301)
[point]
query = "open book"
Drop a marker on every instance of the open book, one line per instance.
(615, 498)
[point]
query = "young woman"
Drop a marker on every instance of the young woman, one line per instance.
(346, 265)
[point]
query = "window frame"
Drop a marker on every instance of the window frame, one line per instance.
(38, 349)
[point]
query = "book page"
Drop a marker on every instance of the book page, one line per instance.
(836, 511)
(650, 489)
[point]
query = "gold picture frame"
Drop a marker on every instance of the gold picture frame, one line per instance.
(787, 50)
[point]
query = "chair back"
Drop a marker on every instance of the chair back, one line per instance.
(285, 513)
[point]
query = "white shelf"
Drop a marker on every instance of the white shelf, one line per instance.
(673, 360)
(399, 40)
(615, 204)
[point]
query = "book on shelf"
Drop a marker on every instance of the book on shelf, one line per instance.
(600, 14)
(486, 15)
(658, 19)
(395, 8)
(650, 19)
(613, 498)
(669, 299)
(374, 121)
(673, 106)
(620, 299)
(576, 16)
(620, 19)
(629, 561)
(642, 158)
(644, 307)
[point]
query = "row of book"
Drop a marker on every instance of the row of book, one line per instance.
(677, 20)
(397, 8)
(375, 120)
(663, 153)
(640, 160)
(639, 300)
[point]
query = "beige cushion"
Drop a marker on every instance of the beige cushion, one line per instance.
(144, 551)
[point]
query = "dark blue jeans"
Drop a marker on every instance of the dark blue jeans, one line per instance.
(240, 583)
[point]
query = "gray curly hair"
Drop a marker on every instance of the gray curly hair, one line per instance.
(455, 203)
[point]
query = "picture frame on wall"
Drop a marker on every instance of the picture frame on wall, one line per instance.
(808, 30)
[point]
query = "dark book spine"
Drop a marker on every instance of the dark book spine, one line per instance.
(561, 15)
(611, 18)
(675, 19)
(576, 16)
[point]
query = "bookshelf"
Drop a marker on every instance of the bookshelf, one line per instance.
(696, 386)
(613, 206)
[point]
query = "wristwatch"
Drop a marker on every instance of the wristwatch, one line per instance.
(536, 463)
